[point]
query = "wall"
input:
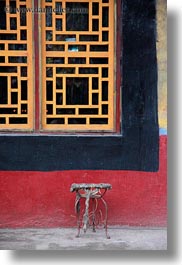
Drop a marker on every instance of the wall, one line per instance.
(43, 199)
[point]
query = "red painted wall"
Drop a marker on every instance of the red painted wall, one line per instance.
(43, 199)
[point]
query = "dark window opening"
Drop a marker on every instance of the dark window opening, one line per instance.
(75, 19)
(76, 91)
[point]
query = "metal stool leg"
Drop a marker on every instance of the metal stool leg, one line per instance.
(106, 215)
(77, 210)
(86, 214)
(94, 208)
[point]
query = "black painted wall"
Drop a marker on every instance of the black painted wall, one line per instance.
(137, 147)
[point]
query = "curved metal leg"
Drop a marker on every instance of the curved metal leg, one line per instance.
(86, 214)
(77, 209)
(106, 215)
(94, 201)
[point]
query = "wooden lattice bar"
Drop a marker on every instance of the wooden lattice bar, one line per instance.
(16, 85)
(78, 89)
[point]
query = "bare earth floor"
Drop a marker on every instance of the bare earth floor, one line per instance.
(122, 238)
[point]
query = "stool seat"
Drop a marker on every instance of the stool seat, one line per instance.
(79, 186)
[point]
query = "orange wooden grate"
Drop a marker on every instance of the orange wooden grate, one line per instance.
(77, 65)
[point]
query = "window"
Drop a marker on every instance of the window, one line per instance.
(76, 58)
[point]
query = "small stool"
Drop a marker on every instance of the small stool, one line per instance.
(90, 192)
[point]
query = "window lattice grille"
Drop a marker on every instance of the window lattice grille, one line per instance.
(16, 89)
(77, 65)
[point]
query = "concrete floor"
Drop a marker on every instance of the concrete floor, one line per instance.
(122, 238)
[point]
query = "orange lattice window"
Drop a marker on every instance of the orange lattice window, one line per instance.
(77, 65)
(16, 86)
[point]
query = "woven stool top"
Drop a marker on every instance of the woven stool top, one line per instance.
(83, 186)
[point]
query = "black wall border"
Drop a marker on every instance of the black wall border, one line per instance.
(137, 148)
